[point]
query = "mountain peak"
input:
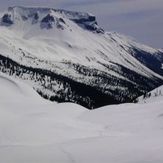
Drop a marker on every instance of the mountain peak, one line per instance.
(61, 56)
(49, 17)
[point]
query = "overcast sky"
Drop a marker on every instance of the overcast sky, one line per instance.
(141, 19)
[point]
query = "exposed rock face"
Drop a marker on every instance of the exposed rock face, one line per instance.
(47, 22)
(6, 20)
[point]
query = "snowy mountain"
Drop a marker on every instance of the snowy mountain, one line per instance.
(36, 130)
(67, 57)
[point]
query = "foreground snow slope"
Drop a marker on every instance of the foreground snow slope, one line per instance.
(67, 57)
(33, 130)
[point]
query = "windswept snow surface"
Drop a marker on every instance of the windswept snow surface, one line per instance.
(33, 130)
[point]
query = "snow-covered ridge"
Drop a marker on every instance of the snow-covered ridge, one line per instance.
(28, 11)
(152, 96)
(49, 17)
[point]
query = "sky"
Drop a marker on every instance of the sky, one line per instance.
(140, 19)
